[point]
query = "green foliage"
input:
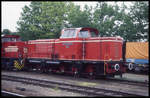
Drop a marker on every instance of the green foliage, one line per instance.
(115, 21)
(46, 19)
(139, 14)
(78, 18)
(104, 18)
(42, 20)
(6, 31)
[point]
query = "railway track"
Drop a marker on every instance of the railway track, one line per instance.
(114, 80)
(120, 81)
(129, 82)
(90, 91)
(10, 94)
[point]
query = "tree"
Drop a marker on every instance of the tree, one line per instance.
(115, 21)
(28, 22)
(104, 18)
(6, 31)
(139, 14)
(78, 18)
(124, 27)
(42, 20)
(46, 19)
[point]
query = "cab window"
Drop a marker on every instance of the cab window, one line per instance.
(84, 34)
(93, 34)
(69, 33)
(10, 39)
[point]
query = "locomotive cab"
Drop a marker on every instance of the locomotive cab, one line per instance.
(10, 38)
(97, 55)
(11, 51)
(79, 33)
(87, 33)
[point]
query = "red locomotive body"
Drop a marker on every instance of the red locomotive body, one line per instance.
(78, 51)
(40, 48)
(12, 49)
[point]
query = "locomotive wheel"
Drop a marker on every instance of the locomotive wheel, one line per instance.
(75, 72)
(76, 75)
(62, 70)
(42, 68)
(91, 76)
(90, 72)
(8, 66)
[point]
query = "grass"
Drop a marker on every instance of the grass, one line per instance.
(86, 84)
(56, 88)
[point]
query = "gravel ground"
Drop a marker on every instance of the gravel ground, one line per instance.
(136, 77)
(31, 90)
(82, 81)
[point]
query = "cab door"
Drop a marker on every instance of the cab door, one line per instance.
(83, 35)
(68, 45)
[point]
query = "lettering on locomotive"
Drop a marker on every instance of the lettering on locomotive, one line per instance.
(67, 44)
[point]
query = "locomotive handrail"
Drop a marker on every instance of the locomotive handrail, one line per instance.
(83, 48)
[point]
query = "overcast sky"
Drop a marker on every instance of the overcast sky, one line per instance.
(11, 11)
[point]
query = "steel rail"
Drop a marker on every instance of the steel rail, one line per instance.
(6, 93)
(122, 81)
(92, 91)
(129, 82)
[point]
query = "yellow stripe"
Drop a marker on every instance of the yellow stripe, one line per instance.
(17, 65)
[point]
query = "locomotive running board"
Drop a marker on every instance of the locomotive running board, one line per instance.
(52, 62)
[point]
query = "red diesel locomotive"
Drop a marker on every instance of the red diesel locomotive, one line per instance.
(78, 51)
(12, 50)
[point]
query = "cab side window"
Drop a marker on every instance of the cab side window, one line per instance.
(69, 33)
(93, 34)
(10, 39)
(84, 34)
(6, 40)
(13, 39)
